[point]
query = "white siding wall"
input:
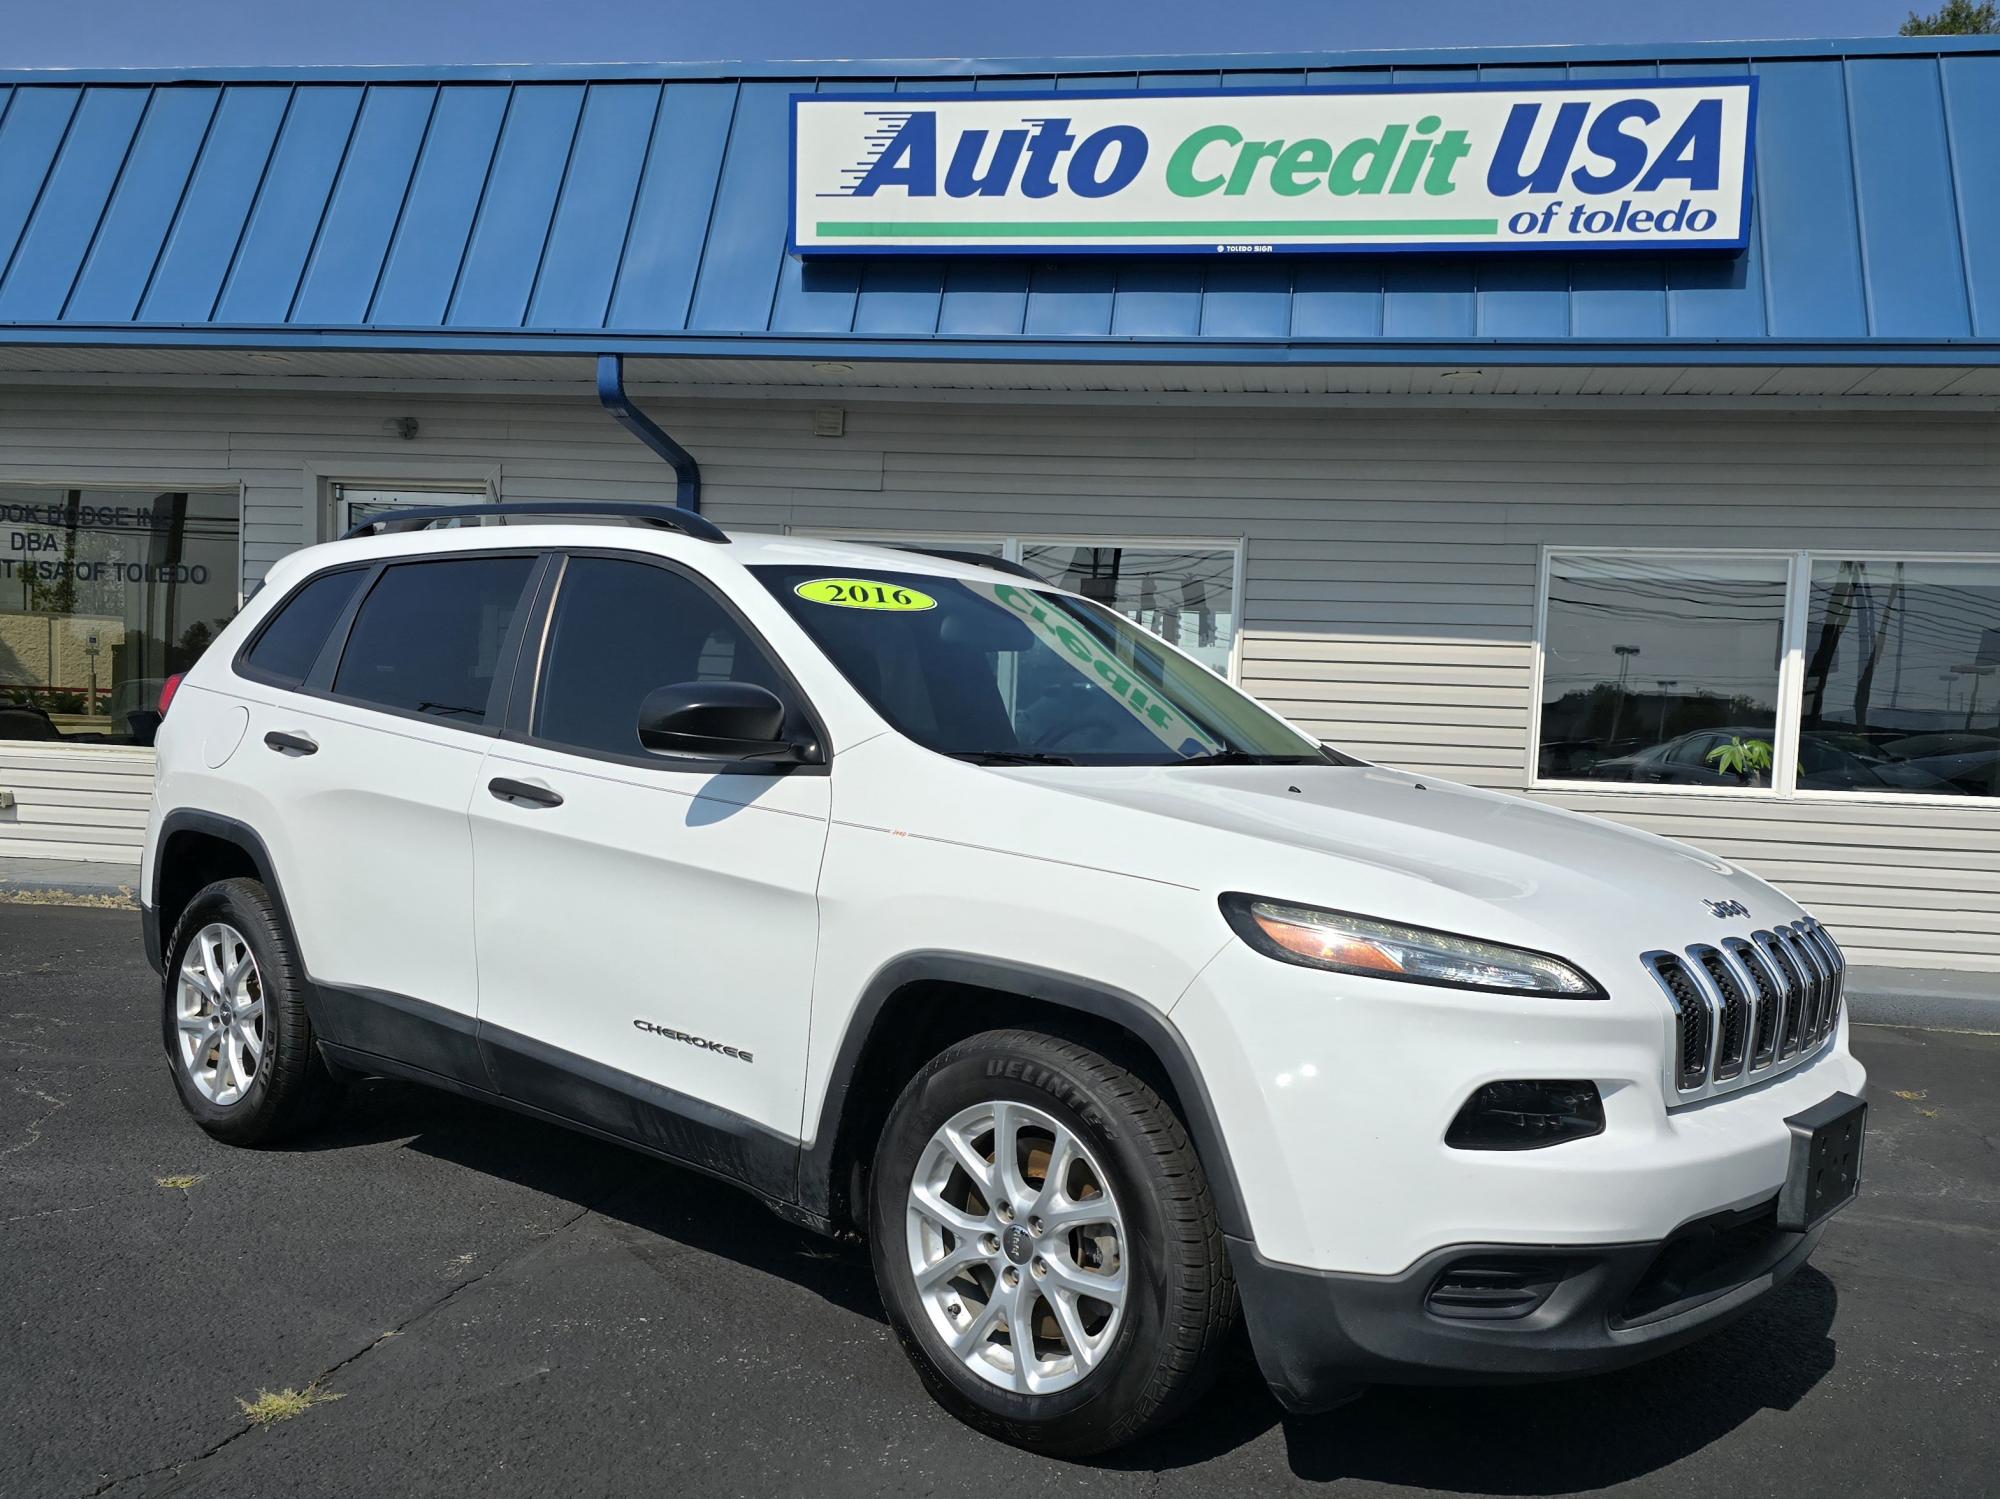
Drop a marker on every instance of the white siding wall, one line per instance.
(1391, 562)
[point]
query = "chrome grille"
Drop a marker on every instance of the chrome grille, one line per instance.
(1836, 962)
(1745, 1008)
(1794, 980)
(1767, 1001)
(1732, 1019)
(1817, 984)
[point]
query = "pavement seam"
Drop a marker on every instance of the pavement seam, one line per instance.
(541, 1242)
(32, 1090)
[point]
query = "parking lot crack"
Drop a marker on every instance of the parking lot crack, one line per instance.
(174, 1467)
(439, 1303)
(319, 1381)
(33, 1129)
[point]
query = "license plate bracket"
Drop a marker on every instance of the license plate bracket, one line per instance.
(1825, 1169)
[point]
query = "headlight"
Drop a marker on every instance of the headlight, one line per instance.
(1389, 950)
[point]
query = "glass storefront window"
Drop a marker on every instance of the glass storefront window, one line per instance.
(1902, 678)
(1660, 669)
(1186, 595)
(104, 594)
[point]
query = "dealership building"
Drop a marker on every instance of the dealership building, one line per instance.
(1618, 429)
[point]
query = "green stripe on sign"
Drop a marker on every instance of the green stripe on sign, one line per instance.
(1226, 229)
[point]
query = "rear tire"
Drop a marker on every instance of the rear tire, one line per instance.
(1102, 1240)
(234, 1019)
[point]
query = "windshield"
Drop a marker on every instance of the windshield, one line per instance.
(1005, 672)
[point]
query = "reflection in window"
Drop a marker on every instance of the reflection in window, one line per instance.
(289, 643)
(623, 630)
(1005, 670)
(1662, 669)
(1184, 595)
(427, 638)
(1902, 678)
(104, 594)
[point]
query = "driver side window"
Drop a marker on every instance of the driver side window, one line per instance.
(620, 630)
(1693, 750)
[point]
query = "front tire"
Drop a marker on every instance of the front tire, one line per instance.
(1025, 1179)
(234, 1019)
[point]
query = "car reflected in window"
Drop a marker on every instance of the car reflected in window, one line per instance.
(1827, 762)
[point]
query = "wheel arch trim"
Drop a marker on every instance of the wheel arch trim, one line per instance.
(228, 830)
(1146, 1023)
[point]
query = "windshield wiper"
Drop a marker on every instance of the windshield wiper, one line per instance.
(1245, 757)
(1009, 757)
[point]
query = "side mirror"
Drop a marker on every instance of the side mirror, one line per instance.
(717, 721)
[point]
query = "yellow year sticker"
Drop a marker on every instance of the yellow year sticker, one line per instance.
(859, 593)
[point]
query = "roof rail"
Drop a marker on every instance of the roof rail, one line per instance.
(666, 517)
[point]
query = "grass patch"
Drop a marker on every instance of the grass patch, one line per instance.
(179, 1183)
(273, 1406)
(16, 896)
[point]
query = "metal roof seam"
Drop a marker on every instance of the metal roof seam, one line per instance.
(402, 206)
(104, 212)
(632, 212)
(180, 205)
(479, 204)
(35, 206)
(250, 209)
(326, 203)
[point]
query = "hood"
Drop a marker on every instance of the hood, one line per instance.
(1404, 847)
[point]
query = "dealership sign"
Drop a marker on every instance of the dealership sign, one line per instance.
(1569, 167)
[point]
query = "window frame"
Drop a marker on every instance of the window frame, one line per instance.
(1011, 544)
(1790, 701)
(531, 664)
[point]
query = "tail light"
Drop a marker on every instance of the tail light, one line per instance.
(167, 691)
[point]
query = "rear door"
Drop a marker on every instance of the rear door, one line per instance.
(646, 927)
(366, 764)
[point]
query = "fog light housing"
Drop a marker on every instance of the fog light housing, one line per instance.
(1527, 1116)
(1493, 1290)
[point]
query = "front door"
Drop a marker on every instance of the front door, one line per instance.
(646, 927)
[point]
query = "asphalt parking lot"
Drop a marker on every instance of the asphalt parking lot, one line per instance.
(503, 1308)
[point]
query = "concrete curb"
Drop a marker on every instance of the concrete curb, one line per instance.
(68, 882)
(1934, 998)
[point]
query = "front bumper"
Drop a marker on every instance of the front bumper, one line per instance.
(1321, 1334)
(1335, 1095)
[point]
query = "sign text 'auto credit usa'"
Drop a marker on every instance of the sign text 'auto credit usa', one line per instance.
(1473, 168)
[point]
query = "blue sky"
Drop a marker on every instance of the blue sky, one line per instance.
(181, 33)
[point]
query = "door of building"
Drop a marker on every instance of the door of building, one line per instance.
(355, 503)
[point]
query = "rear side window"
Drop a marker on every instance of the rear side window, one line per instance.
(427, 638)
(620, 630)
(291, 639)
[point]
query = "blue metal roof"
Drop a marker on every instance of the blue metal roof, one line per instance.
(643, 209)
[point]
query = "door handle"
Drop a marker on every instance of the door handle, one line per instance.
(524, 791)
(292, 744)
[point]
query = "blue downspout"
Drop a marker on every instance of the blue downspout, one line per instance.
(611, 391)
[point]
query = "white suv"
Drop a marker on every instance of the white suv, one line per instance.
(941, 907)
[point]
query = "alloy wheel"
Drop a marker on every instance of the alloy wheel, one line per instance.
(1017, 1247)
(219, 1014)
